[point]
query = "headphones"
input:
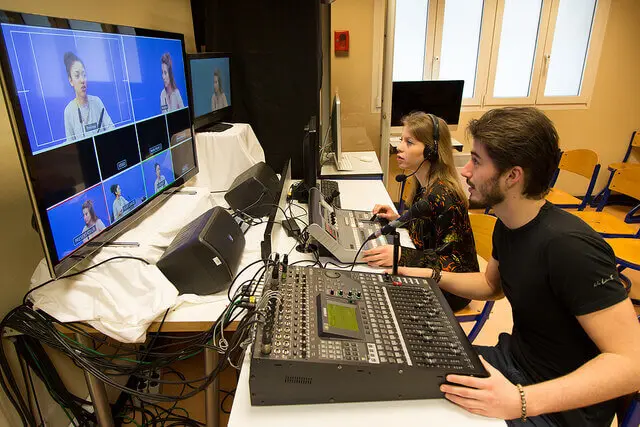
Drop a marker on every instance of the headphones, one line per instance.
(431, 154)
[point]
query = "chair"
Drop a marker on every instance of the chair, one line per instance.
(582, 162)
(482, 226)
(634, 142)
(627, 252)
(627, 182)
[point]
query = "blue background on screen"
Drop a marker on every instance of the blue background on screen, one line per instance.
(145, 72)
(40, 71)
(132, 187)
(149, 170)
(67, 222)
(202, 82)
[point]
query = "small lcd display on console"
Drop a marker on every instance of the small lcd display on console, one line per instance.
(338, 318)
(342, 317)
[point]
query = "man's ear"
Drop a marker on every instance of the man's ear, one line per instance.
(514, 176)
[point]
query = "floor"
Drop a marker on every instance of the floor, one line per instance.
(499, 321)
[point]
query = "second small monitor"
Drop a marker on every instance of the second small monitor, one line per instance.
(210, 85)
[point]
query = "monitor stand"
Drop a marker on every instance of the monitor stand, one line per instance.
(217, 127)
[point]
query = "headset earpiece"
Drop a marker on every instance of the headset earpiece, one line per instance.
(431, 154)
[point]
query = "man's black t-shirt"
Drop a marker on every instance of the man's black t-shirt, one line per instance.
(553, 269)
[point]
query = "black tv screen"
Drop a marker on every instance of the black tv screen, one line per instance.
(442, 98)
(210, 86)
(100, 117)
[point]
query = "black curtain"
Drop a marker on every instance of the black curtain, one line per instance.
(276, 67)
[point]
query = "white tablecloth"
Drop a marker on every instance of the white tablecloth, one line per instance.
(222, 156)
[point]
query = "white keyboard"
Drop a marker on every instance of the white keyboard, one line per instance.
(344, 164)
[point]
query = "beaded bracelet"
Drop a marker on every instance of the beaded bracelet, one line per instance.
(523, 414)
(436, 274)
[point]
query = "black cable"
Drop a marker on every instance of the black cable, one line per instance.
(35, 396)
(24, 299)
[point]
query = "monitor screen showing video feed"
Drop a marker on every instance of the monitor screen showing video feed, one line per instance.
(103, 122)
(210, 84)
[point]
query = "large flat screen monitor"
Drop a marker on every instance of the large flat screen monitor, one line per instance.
(336, 128)
(442, 98)
(101, 121)
(210, 88)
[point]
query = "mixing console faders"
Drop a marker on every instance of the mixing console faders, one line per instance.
(355, 336)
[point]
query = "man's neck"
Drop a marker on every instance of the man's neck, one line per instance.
(82, 100)
(518, 211)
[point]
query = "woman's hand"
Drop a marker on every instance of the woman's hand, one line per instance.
(412, 271)
(382, 256)
(385, 211)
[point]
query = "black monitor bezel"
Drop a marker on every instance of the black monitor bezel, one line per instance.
(395, 117)
(58, 267)
(217, 116)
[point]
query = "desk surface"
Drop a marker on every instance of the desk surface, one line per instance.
(365, 164)
(360, 195)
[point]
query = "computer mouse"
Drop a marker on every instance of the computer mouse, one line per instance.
(366, 159)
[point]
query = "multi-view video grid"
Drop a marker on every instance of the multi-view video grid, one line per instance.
(107, 121)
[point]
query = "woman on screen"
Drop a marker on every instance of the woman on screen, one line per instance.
(84, 115)
(119, 203)
(92, 223)
(161, 181)
(218, 99)
(170, 98)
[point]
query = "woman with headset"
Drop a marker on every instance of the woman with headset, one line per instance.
(442, 237)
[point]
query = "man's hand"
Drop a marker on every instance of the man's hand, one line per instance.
(494, 397)
(385, 211)
(382, 256)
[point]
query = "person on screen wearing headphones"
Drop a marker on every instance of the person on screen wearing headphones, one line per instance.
(218, 99)
(85, 115)
(170, 98)
(443, 238)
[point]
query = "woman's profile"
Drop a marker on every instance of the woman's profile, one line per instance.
(85, 115)
(92, 223)
(119, 203)
(170, 98)
(218, 99)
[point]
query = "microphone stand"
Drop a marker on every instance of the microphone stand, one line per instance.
(396, 251)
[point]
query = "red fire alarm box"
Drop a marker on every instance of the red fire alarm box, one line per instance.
(341, 41)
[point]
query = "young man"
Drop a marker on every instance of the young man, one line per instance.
(575, 343)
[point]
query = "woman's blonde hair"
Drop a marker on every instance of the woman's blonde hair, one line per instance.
(420, 125)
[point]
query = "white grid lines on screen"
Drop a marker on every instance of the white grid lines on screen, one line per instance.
(44, 101)
(26, 98)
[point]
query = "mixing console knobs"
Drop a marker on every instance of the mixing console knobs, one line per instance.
(358, 294)
(350, 293)
(340, 292)
(331, 292)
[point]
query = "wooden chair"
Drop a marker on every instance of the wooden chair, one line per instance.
(482, 226)
(625, 181)
(582, 162)
(603, 196)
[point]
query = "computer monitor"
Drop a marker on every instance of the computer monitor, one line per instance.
(210, 89)
(310, 161)
(336, 128)
(101, 121)
(442, 98)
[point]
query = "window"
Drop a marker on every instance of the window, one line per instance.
(508, 52)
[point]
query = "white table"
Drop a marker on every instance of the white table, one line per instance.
(222, 156)
(427, 412)
(365, 166)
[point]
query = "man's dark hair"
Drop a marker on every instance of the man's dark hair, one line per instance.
(520, 136)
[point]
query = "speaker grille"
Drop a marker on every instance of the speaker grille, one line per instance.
(297, 380)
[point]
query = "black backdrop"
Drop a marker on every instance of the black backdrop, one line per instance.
(277, 67)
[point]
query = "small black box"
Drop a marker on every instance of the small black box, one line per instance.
(203, 258)
(254, 191)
